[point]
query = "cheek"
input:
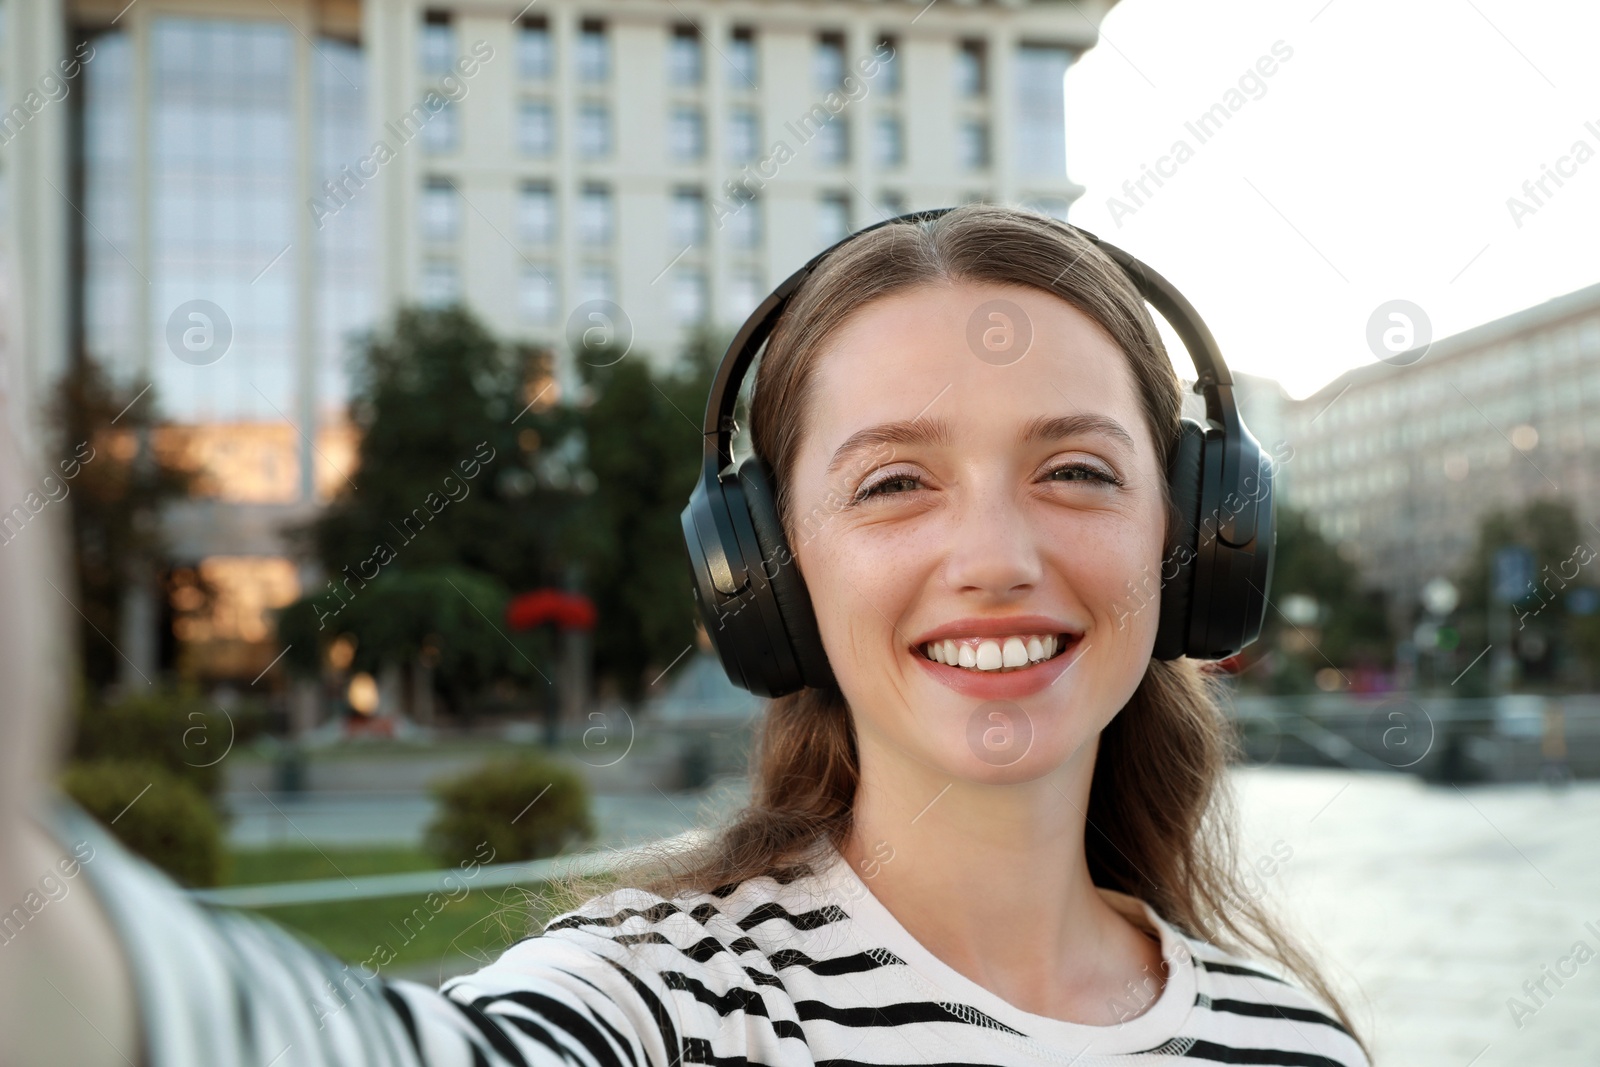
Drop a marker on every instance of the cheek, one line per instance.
(860, 582)
(1116, 574)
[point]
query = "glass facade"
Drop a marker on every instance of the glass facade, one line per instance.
(744, 136)
(223, 213)
(346, 282)
(686, 139)
(684, 57)
(535, 55)
(688, 219)
(112, 285)
(536, 129)
(1041, 134)
(222, 221)
(741, 57)
(536, 213)
(827, 62)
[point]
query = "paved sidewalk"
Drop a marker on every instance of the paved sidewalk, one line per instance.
(353, 819)
(1433, 905)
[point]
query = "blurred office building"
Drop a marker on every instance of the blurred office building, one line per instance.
(1400, 460)
(219, 194)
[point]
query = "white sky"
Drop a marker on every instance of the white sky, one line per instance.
(1390, 140)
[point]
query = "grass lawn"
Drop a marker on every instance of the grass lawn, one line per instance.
(390, 931)
(263, 866)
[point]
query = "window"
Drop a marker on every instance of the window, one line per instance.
(888, 80)
(889, 142)
(536, 213)
(892, 203)
(833, 218)
(441, 283)
(833, 142)
(684, 56)
(438, 42)
(688, 295)
(594, 215)
(536, 129)
(971, 76)
(744, 136)
(686, 134)
(688, 218)
(595, 283)
(1041, 139)
(744, 224)
(972, 143)
(442, 132)
(827, 62)
(741, 56)
(594, 131)
(594, 52)
(441, 210)
(536, 296)
(744, 292)
(535, 56)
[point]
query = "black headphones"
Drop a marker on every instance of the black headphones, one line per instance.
(1214, 577)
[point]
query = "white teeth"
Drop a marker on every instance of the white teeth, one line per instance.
(994, 654)
(1014, 653)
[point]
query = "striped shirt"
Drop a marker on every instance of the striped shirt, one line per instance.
(810, 971)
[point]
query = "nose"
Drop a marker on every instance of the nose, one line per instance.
(993, 549)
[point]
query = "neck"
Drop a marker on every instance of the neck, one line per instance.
(994, 881)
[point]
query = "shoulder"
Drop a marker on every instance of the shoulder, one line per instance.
(664, 971)
(1244, 1000)
(656, 942)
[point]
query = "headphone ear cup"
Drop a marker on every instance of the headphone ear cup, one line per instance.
(1178, 566)
(782, 573)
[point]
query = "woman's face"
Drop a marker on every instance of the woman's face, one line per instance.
(976, 470)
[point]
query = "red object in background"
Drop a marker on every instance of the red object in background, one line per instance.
(569, 611)
(1234, 664)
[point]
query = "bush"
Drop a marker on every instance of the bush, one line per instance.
(496, 804)
(171, 824)
(175, 729)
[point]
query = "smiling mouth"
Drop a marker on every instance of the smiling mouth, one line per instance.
(997, 655)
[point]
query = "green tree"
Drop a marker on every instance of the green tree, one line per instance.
(447, 470)
(117, 482)
(464, 475)
(1553, 645)
(1351, 626)
(642, 432)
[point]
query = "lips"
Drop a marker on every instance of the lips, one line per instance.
(1009, 684)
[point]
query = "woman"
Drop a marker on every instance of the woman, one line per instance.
(996, 838)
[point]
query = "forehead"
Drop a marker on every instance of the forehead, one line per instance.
(941, 351)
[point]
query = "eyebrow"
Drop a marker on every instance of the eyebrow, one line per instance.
(938, 432)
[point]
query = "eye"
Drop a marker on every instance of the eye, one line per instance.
(873, 489)
(1083, 472)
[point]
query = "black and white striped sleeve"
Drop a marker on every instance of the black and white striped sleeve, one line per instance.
(223, 988)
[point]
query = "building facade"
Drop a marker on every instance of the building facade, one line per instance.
(1398, 461)
(223, 194)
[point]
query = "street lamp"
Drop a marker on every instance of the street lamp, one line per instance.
(1439, 598)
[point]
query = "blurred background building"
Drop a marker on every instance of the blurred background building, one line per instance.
(1400, 460)
(224, 192)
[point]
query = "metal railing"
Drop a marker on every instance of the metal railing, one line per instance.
(448, 881)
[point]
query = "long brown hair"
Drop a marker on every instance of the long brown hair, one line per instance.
(1160, 818)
